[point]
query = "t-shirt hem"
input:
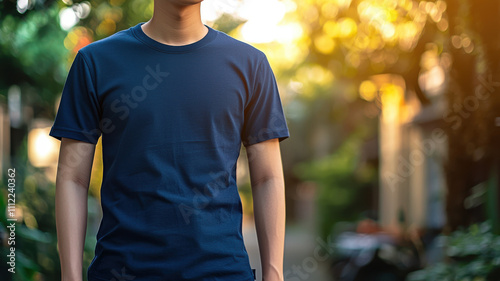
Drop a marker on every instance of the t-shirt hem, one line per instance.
(59, 133)
(97, 278)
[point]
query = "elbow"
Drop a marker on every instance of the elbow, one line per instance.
(71, 176)
(268, 180)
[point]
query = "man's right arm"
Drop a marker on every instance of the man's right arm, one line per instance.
(72, 183)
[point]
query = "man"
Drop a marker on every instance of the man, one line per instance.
(173, 100)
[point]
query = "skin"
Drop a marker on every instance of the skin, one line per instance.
(174, 22)
(268, 190)
(72, 183)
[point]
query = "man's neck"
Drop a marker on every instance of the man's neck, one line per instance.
(175, 25)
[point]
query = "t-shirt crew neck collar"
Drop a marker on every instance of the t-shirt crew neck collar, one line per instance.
(141, 36)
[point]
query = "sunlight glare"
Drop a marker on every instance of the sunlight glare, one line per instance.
(67, 18)
(263, 17)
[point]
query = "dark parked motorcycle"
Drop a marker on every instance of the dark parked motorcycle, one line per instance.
(372, 257)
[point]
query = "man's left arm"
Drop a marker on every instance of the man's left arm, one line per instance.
(268, 189)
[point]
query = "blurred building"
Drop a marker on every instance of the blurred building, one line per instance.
(410, 151)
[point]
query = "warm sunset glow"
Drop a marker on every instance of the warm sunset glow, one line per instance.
(368, 90)
(42, 148)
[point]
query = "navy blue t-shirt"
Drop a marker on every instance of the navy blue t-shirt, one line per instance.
(172, 121)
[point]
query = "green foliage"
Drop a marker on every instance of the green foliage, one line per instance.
(35, 238)
(36, 251)
(472, 254)
(342, 184)
(33, 56)
(227, 23)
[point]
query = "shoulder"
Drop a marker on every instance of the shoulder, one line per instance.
(242, 49)
(108, 45)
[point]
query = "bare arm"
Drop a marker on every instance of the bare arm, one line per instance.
(72, 183)
(268, 189)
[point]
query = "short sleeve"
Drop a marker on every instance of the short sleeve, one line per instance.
(78, 115)
(264, 116)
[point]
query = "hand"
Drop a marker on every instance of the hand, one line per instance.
(272, 279)
(71, 278)
(273, 275)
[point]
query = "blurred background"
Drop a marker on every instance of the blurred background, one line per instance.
(392, 168)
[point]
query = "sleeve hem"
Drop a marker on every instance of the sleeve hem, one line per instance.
(280, 135)
(59, 133)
